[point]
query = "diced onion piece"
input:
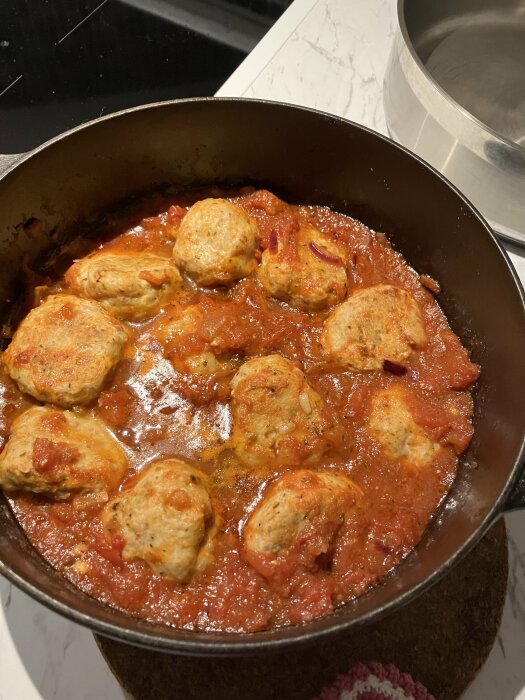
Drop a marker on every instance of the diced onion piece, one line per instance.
(394, 368)
(90, 500)
(430, 283)
(272, 241)
(304, 403)
(322, 255)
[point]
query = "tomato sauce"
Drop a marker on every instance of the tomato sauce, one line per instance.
(157, 410)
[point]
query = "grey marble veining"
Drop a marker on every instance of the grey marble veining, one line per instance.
(42, 655)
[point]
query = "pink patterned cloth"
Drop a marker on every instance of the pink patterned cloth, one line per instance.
(373, 681)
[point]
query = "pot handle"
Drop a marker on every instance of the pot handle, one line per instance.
(516, 498)
(7, 161)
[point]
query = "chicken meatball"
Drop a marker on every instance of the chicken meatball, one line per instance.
(64, 349)
(61, 453)
(311, 276)
(216, 243)
(374, 324)
(392, 424)
(131, 286)
(277, 417)
(297, 522)
(165, 518)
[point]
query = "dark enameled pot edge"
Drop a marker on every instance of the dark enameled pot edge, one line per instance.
(223, 644)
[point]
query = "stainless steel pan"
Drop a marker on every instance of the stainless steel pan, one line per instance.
(454, 93)
(310, 157)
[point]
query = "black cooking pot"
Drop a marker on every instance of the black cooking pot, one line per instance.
(309, 157)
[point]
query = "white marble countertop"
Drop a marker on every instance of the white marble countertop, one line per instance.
(331, 55)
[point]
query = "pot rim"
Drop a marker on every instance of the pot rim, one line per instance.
(241, 643)
(401, 20)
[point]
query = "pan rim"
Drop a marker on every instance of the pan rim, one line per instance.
(236, 644)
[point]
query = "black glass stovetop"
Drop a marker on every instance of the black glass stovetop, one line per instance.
(63, 62)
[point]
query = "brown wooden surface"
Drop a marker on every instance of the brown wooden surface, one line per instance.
(442, 640)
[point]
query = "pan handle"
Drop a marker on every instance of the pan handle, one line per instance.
(516, 499)
(7, 161)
